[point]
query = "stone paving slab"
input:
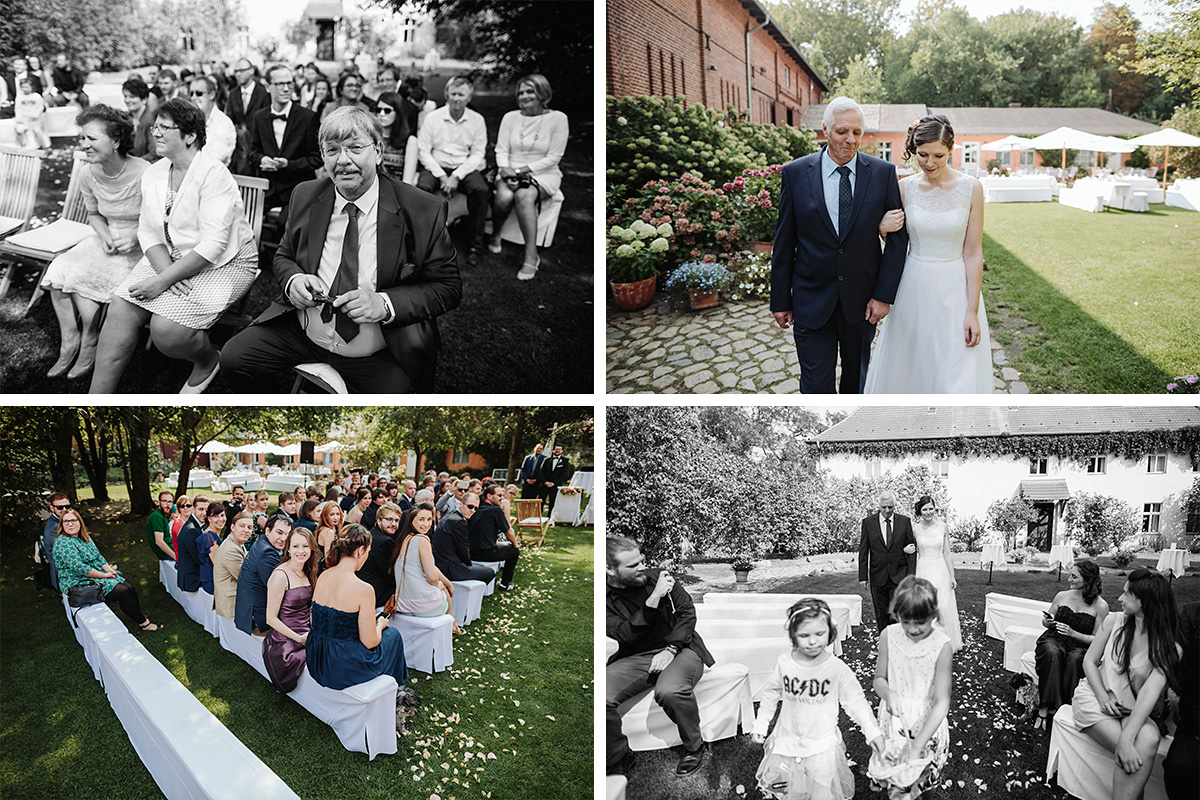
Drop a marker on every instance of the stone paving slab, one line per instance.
(734, 348)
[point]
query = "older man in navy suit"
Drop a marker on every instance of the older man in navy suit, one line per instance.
(250, 606)
(887, 553)
(828, 277)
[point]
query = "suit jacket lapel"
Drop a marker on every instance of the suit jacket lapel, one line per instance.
(389, 239)
(291, 128)
(816, 185)
(861, 179)
(318, 225)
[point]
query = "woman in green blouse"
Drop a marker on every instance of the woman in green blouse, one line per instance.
(78, 561)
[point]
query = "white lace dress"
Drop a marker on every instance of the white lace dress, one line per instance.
(920, 348)
(931, 565)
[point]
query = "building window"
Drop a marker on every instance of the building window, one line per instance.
(460, 457)
(885, 150)
(1156, 463)
(1193, 517)
(1097, 465)
(1027, 157)
(1151, 513)
(874, 468)
(941, 466)
(787, 76)
(1037, 466)
(970, 154)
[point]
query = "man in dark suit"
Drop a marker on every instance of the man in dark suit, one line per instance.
(554, 473)
(364, 285)
(405, 500)
(250, 606)
(383, 539)
(828, 277)
(653, 621)
(283, 142)
(452, 548)
(1179, 767)
(378, 498)
(887, 552)
(187, 568)
(485, 529)
(247, 97)
(20, 72)
(531, 467)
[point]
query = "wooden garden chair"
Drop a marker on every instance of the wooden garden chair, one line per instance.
(530, 522)
(20, 169)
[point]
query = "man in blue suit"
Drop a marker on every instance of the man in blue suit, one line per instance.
(828, 277)
(250, 607)
(188, 566)
(530, 469)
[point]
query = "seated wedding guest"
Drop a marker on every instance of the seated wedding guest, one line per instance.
(328, 528)
(306, 85)
(393, 490)
(207, 543)
(421, 590)
(510, 494)
(373, 321)
(334, 494)
(222, 135)
(452, 146)
(416, 101)
(1071, 624)
(322, 96)
(531, 142)
(1128, 666)
(486, 529)
(287, 505)
(387, 80)
(349, 94)
(363, 502)
(449, 501)
(68, 83)
(423, 496)
(283, 143)
(227, 564)
(81, 280)
(378, 498)
(236, 504)
(452, 547)
(405, 498)
(396, 134)
(383, 538)
(142, 111)
(188, 559)
(158, 528)
(168, 85)
(310, 515)
(289, 603)
(59, 505)
(250, 609)
(1180, 765)
(78, 561)
(182, 513)
(199, 257)
(348, 644)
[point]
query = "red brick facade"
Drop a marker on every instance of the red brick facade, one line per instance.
(697, 48)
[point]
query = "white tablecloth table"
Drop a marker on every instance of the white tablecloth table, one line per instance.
(992, 554)
(1173, 560)
(1184, 193)
(284, 482)
(1062, 554)
(1020, 189)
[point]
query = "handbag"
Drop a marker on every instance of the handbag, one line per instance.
(85, 594)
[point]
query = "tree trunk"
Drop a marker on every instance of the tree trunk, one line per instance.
(137, 428)
(93, 453)
(514, 456)
(62, 466)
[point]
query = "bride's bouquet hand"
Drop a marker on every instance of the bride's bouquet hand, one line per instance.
(971, 332)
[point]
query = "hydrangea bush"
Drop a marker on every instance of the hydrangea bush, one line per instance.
(636, 252)
(754, 194)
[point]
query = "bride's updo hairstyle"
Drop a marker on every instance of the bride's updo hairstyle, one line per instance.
(930, 128)
(925, 499)
(352, 537)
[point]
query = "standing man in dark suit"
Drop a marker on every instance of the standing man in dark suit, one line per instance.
(531, 468)
(187, 568)
(887, 553)
(487, 527)
(250, 606)
(828, 277)
(367, 267)
(653, 620)
(554, 473)
(244, 100)
(405, 500)
(452, 548)
(283, 142)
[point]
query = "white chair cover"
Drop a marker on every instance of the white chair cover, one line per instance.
(724, 697)
(91, 625)
(428, 642)
(852, 602)
(199, 606)
(547, 222)
(1002, 610)
(758, 656)
(490, 586)
(1019, 640)
(1029, 665)
(614, 787)
(468, 601)
(1085, 768)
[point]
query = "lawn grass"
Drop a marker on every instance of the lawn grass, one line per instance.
(1093, 303)
(521, 688)
(988, 742)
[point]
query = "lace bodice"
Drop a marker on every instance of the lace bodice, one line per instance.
(334, 624)
(936, 218)
(930, 539)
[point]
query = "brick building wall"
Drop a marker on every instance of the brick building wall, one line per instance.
(697, 48)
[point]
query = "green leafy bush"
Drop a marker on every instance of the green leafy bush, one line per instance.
(754, 194)
(1099, 523)
(1124, 556)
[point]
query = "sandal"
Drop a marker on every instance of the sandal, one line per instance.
(529, 269)
(456, 630)
(1039, 722)
(150, 627)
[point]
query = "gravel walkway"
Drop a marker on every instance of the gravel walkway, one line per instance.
(733, 348)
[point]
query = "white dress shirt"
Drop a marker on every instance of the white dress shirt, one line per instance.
(221, 136)
(446, 145)
(883, 521)
(832, 181)
(279, 126)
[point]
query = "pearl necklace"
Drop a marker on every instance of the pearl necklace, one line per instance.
(119, 174)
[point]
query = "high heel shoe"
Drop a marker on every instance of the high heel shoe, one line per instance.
(529, 269)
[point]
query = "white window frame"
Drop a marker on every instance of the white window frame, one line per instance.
(1151, 517)
(1027, 158)
(940, 466)
(1097, 465)
(874, 467)
(1038, 465)
(454, 457)
(970, 151)
(885, 150)
(787, 76)
(1156, 464)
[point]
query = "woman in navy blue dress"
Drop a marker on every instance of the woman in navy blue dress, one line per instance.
(348, 644)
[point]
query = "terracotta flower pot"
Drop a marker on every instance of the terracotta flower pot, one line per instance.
(699, 300)
(761, 247)
(634, 296)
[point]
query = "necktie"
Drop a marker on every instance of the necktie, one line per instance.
(887, 537)
(347, 274)
(845, 197)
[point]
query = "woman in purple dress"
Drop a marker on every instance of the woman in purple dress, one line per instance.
(289, 604)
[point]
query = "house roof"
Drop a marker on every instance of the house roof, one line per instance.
(323, 9)
(900, 423)
(895, 118)
(759, 12)
(1041, 489)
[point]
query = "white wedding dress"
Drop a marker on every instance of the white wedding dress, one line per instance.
(920, 347)
(931, 565)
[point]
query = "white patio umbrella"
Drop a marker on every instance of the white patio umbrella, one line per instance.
(258, 448)
(290, 450)
(1008, 144)
(1168, 138)
(216, 447)
(331, 447)
(1062, 138)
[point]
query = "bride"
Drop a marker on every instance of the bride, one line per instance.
(934, 564)
(935, 340)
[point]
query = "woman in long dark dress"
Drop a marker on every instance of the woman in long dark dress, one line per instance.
(1073, 621)
(348, 644)
(289, 603)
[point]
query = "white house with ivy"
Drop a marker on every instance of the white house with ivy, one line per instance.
(1145, 456)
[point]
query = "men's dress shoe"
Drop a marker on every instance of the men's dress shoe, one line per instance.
(625, 765)
(691, 761)
(504, 587)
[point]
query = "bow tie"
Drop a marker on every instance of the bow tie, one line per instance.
(278, 116)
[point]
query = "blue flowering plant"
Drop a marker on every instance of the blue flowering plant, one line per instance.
(1184, 384)
(635, 252)
(702, 277)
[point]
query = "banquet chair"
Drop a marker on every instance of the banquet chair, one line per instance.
(547, 222)
(20, 169)
(42, 245)
(530, 522)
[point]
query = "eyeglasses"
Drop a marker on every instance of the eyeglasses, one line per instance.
(471, 506)
(383, 110)
(185, 505)
(62, 508)
(198, 94)
(74, 520)
(281, 84)
(159, 127)
(353, 150)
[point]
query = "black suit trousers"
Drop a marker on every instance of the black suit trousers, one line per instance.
(506, 553)
(817, 350)
(881, 598)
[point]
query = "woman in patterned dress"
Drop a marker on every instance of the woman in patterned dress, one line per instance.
(79, 562)
(199, 259)
(81, 280)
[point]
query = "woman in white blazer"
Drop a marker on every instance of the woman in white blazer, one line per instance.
(200, 255)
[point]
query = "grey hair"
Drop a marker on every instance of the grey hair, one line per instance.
(423, 496)
(839, 105)
(347, 122)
